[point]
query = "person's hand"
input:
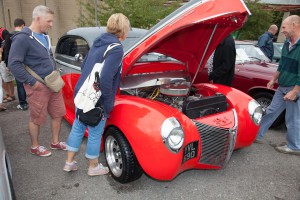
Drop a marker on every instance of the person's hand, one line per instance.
(36, 85)
(1, 54)
(270, 85)
(291, 96)
(96, 86)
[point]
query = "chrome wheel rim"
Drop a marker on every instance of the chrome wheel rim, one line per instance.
(264, 102)
(114, 156)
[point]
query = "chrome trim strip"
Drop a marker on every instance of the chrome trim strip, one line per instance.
(232, 137)
(242, 1)
(67, 65)
(214, 16)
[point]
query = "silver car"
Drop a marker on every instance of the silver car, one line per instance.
(6, 187)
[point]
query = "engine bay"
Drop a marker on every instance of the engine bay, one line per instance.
(179, 94)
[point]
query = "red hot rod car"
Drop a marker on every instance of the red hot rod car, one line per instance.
(164, 122)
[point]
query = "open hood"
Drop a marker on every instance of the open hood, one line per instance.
(191, 33)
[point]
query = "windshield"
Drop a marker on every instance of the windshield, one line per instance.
(249, 53)
(155, 57)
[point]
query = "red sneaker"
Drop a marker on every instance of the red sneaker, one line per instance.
(40, 151)
(59, 146)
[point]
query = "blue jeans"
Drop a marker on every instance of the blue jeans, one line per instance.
(93, 141)
(21, 93)
(292, 117)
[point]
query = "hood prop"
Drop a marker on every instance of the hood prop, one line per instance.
(198, 68)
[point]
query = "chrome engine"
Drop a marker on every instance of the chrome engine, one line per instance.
(178, 93)
(174, 93)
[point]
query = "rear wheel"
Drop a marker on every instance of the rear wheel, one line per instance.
(120, 157)
(265, 99)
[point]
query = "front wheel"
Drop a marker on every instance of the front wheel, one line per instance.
(120, 157)
(265, 99)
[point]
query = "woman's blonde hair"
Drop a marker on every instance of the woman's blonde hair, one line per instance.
(118, 24)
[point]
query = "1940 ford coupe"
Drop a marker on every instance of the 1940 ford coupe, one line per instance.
(164, 122)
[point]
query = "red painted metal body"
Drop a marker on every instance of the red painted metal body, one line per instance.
(190, 37)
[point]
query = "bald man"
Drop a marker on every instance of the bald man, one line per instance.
(265, 41)
(287, 94)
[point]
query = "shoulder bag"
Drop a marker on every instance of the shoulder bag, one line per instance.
(53, 81)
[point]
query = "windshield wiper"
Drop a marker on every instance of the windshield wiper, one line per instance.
(256, 58)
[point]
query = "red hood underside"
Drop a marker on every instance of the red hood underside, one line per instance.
(191, 33)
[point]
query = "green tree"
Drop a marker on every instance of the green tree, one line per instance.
(257, 23)
(142, 14)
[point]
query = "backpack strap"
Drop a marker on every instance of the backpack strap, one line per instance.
(109, 48)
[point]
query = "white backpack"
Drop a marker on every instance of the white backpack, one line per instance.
(87, 96)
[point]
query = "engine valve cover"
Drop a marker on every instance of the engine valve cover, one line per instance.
(175, 89)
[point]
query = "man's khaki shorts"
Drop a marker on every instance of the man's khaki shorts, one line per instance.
(41, 101)
(6, 75)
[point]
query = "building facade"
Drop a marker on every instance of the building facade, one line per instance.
(66, 13)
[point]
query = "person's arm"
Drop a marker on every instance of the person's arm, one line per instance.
(271, 83)
(1, 52)
(110, 68)
(17, 53)
(293, 94)
(262, 43)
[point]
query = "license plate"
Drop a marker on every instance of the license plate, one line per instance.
(190, 151)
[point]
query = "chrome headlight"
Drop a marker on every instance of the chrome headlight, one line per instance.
(172, 134)
(255, 111)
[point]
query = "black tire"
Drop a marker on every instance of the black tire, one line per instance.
(265, 99)
(120, 157)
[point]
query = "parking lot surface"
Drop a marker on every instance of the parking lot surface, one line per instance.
(255, 172)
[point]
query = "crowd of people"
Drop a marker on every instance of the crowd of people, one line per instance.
(25, 59)
(30, 46)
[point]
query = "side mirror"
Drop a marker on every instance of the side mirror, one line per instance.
(78, 57)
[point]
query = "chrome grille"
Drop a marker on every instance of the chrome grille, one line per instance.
(215, 144)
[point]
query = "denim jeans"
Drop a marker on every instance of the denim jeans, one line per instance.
(21, 93)
(93, 141)
(292, 117)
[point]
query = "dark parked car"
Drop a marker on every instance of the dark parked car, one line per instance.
(253, 70)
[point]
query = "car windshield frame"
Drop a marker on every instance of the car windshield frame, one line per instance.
(249, 53)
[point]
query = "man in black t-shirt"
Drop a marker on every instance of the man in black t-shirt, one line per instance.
(224, 62)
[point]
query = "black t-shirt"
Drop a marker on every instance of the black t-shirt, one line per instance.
(6, 48)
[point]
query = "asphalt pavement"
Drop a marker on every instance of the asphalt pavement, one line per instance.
(256, 172)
